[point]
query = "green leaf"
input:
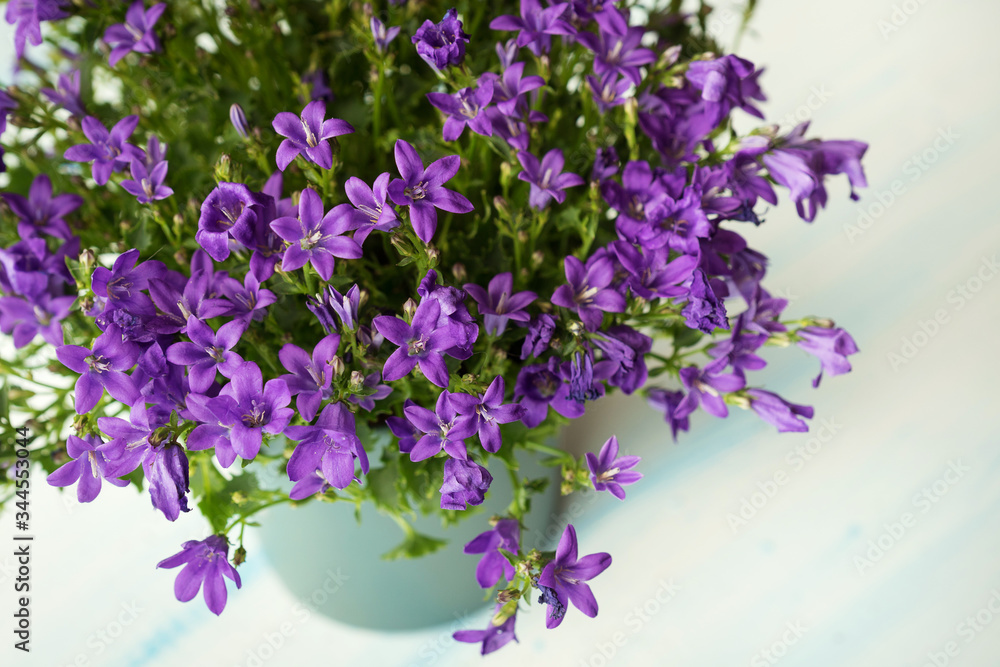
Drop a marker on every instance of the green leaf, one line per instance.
(414, 545)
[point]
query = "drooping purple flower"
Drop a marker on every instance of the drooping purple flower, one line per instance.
(332, 303)
(230, 206)
(207, 352)
(540, 331)
(40, 212)
(309, 377)
(704, 310)
(535, 26)
(330, 445)
(443, 44)
(705, 387)
(546, 178)
(606, 164)
(783, 415)
(308, 135)
(566, 575)
(382, 34)
(739, 350)
(102, 368)
(444, 428)
(588, 290)
(136, 34)
(88, 467)
(493, 638)
(248, 299)
(624, 363)
(205, 562)
(166, 469)
(466, 107)
(579, 376)
(505, 535)
(372, 383)
(260, 408)
(667, 402)
(123, 284)
(541, 385)
(314, 237)
(369, 212)
(465, 483)
(616, 46)
(147, 184)
(499, 303)
(319, 85)
(725, 83)
(66, 94)
(108, 151)
(453, 311)
(41, 315)
(609, 472)
(488, 412)
(422, 189)
(422, 342)
(831, 346)
(27, 15)
(310, 485)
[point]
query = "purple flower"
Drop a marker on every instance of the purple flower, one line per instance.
(443, 429)
(216, 417)
(41, 212)
(239, 120)
(466, 107)
(493, 638)
(422, 189)
(205, 561)
(830, 346)
(107, 150)
(259, 408)
(541, 385)
(509, 88)
(165, 467)
(580, 377)
(651, 274)
(616, 46)
(609, 91)
(102, 368)
(309, 485)
(330, 303)
(319, 85)
(208, 352)
(465, 483)
(248, 299)
(606, 164)
(725, 83)
(67, 94)
(609, 472)
(453, 311)
(441, 44)
(123, 284)
(230, 206)
(778, 412)
(314, 237)
(26, 319)
(369, 212)
(309, 378)
(706, 388)
(27, 16)
(540, 332)
(88, 467)
(382, 34)
(546, 179)
(308, 134)
(566, 575)
(535, 26)
(500, 303)
(404, 430)
(488, 412)
(589, 291)
(136, 34)
(505, 535)
(704, 310)
(624, 363)
(668, 402)
(330, 446)
(424, 342)
(147, 184)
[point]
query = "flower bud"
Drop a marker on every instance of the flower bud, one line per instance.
(459, 272)
(87, 261)
(409, 308)
(357, 380)
(522, 236)
(239, 556)
(433, 253)
(337, 366)
(223, 168)
(537, 258)
(500, 203)
(508, 594)
(239, 121)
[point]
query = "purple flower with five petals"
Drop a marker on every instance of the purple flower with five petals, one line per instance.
(205, 562)
(248, 299)
(443, 429)
(510, 87)
(493, 638)
(259, 408)
(541, 385)
(382, 34)
(465, 483)
(505, 535)
(314, 237)
(589, 291)
(565, 576)
(466, 107)
(488, 412)
(441, 44)
(27, 318)
(546, 178)
(499, 303)
(423, 342)
(136, 34)
(830, 346)
(369, 212)
(706, 388)
(668, 402)
(778, 412)
(608, 471)
(616, 46)
(540, 332)
(40, 211)
(27, 15)
(102, 368)
(88, 467)
(535, 26)
(108, 151)
(207, 352)
(123, 284)
(308, 135)
(309, 378)
(216, 417)
(147, 184)
(330, 445)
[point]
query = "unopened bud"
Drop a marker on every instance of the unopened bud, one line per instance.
(409, 308)
(239, 497)
(500, 203)
(500, 355)
(363, 297)
(575, 327)
(181, 257)
(824, 322)
(508, 594)
(239, 121)
(357, 380)
(223, 169)
(522, 236)
(537, 258)
(738, 400)
(87, 261)
(459, 272)
(337, 366)
(433, 254)
(240, 556)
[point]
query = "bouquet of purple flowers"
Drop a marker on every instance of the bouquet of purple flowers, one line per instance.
(445, 229)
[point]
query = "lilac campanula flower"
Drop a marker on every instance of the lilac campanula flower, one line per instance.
(624, 361)
(216, 417)
(616, 46)
(441, 45)
(369, 211)
(423, 342)
(704, 310)
(66, 94)
(542, 385)
(147, 184)
(88, 467)
(565, 576)
(372, 383)
(739, 350)
(638, 197)
(500, 303)
(102, 368)
(404, 430)
(123, 284)
(40, 212)
(535, 26)
(207, 352)
(540, 331)
(248, 299)
(465, 483)
(310, 485)
(314, 237)
(319, 85)
(239, 120)
(831, 346)
(453, 311)
(579, 375)
(205, 562)
(330, 303)
(546, 178)
(260, 408)
(705, 387)
(609, 472)
(466, 107)
(443, 429)
(609, 90)
(136, 34)
(330, 445)
(25, 319)
(199, 296)
(513, 131)
(229, 207)
(505, 535)
(606, 164)
(667, 402)
(493, 638)
(422, 189)
(763, 312)
(589, 290)
(511, 86)
(108, 151)
(29, 269)
(783, 415)
(506, 52)
(382, 34)
(308, 135)
(27, 15)
(309, 378)
(651, 275)
(166, 468)
(488, 412)
(725, 83)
